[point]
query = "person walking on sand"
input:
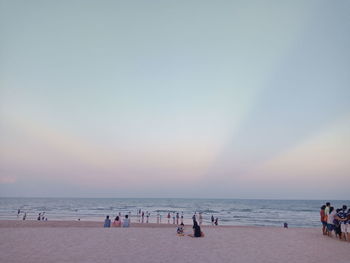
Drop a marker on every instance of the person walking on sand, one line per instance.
(323, 220)
(196, 230)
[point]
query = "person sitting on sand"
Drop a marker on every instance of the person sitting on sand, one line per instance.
(117, 222)
(196, 230)
(107, 222)
(126, 222)
(180, 230)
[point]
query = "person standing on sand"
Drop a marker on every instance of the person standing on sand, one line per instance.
(177, 218)
(168, 217)
(217, 221)
(174, 218)
(143, 216)
(182, 217)
(157, 218)
(25, 216)
(212, 220)
(107, 222)
(330, 219)
(323, 220)
(200, 219)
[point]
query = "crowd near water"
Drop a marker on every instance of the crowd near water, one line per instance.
(335, 221)
(243, 212)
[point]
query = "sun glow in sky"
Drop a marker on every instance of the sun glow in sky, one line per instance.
(232, 99)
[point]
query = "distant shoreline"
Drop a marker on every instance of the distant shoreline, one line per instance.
(99, 224)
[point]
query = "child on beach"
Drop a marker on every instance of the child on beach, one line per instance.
(323, 219)
(117, 222)
(180, 230)
(107, 222)
(126, 222)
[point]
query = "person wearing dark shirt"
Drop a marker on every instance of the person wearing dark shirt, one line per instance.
(196, 230)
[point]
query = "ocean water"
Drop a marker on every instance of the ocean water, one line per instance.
(243, 212)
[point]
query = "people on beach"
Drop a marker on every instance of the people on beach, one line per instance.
(168, 217)
(107, 222)
(323, 219)
(337, 221)
(177, 218)
(180, 229)
(196, 230)
(212, 219)
(25, 216)
(117, 222)
(126, 222)
(216, 221)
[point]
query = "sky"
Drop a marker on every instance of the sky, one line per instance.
(195, 99)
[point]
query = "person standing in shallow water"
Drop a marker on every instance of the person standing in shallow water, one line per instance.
(212, 219)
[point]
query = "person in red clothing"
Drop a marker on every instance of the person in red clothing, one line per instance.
(323, 219)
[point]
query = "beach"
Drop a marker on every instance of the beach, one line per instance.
(79, 241)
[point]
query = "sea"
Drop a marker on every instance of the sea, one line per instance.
(236, 212)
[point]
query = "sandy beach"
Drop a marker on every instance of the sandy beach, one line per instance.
(68, 241)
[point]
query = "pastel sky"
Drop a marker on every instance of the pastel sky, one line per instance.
(207, 99)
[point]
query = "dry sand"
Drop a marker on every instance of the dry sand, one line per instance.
(67, 241)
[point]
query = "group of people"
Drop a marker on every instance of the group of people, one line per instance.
(337, 220)
(173, 217)
(197, 232)
(117, 222)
